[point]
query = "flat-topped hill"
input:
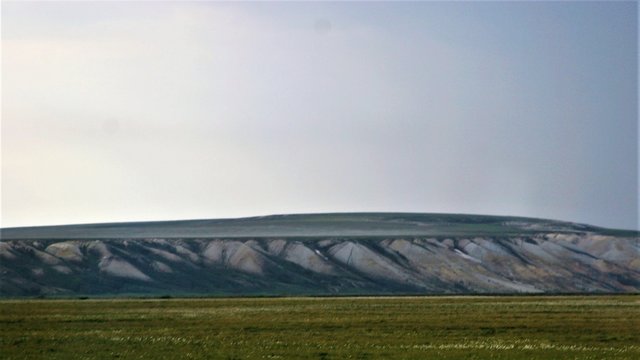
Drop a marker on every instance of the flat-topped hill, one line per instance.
(321, 254)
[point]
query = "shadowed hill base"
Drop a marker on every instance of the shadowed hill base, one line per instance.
(320, 254)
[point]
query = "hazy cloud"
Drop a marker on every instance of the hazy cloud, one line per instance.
(131, 111)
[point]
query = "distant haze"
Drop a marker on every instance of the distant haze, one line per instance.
(117, 111)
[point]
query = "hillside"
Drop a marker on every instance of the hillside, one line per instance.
(350, 253)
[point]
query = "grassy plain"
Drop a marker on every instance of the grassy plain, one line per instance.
(571, 327)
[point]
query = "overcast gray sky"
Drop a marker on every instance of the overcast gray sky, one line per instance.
(158, 110)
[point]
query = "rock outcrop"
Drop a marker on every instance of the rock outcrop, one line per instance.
(566, 260)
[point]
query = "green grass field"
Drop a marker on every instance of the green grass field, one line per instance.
(571, 327)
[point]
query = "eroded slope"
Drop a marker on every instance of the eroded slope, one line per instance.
(542, 262)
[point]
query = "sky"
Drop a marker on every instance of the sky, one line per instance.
(128, 111)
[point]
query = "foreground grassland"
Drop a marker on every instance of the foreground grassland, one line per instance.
(594, 327)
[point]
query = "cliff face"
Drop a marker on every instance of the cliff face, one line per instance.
(531, 261)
